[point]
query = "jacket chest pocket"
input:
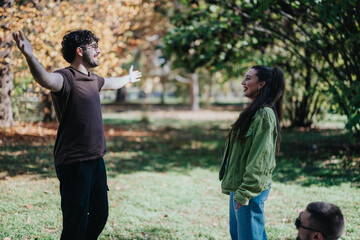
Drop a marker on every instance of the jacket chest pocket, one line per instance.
(248, 140)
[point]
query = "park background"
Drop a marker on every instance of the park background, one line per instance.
(165, 134)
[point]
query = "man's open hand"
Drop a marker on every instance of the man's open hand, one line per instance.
(134, 76)
(22, 43)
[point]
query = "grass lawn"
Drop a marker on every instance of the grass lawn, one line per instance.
(163, 178)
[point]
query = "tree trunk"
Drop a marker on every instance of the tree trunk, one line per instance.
(302, 109)
(211, 93)
(121, 95)
(6, 75)
(194, 92)
(163, 84)
(46, 107)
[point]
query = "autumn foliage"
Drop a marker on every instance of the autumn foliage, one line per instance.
(120, 25)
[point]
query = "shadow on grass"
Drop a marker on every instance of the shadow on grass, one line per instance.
(27, 154)
(321, 157)
(165, 149)
(146, 233)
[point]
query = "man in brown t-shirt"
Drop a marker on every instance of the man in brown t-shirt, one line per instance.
(80, 141)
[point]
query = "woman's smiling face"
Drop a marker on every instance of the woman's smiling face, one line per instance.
(251, 84)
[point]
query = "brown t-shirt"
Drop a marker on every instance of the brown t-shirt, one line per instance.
(80, 136)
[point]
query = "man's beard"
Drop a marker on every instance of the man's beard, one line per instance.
(90, 61)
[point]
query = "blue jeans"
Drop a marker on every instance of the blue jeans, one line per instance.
(248, 222)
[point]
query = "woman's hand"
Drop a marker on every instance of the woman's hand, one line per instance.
(237, 205)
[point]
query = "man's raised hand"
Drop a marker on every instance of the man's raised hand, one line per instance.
(22, 43)
(134, 76)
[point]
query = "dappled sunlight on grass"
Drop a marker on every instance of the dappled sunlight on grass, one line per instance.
(167, 142)
(163, 178)
(185, 206)
(320, 157)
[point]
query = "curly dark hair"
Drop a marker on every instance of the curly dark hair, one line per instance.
(74, 39)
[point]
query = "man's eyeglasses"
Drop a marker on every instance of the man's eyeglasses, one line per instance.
(298, 225)
(93, 46)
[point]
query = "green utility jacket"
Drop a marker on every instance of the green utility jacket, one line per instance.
(248, 163)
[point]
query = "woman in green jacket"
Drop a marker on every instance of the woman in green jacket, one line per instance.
(249, 157)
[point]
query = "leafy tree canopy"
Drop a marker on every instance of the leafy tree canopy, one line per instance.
(323, 35)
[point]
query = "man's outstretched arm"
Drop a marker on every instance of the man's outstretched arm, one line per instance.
(119, 82)
(51, 81)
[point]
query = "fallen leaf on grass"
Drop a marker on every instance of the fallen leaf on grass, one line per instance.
(50, 229)
(215, 224)
(29, 206)
(286, 220)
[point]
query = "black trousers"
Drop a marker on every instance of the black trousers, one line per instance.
(84, 201)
